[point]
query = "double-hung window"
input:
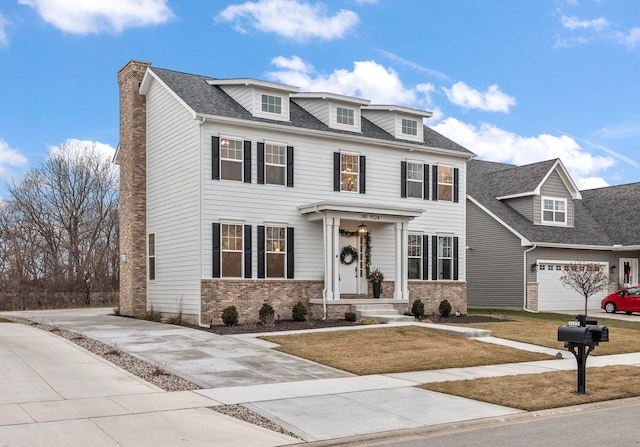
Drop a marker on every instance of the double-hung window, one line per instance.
(415, 178)
(231, 237)
(409, 127)
(344, 116)
(231, 161)
(275, 158)
(276, 239)
(349, 172)
(554, 211)
(152, 256)
(272, 104)
(445, 183)
(415, 256)
(445, 257)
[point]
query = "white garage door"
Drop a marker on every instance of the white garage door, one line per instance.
(553, 295)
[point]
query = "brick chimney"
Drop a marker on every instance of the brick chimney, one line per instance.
(132, 155)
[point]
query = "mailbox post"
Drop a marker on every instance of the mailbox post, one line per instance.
(580, 337)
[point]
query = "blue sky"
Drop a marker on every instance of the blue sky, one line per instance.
(513, 81)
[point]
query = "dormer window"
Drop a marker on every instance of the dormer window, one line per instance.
(345, 115)
(554, 211)
(272, 104)
(409, 127)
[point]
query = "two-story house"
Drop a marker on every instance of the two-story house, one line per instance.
(242, 191)
(527, 224)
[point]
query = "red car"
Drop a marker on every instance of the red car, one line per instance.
(626, 300)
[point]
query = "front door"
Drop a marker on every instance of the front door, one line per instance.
(628, 271)
(349, 265)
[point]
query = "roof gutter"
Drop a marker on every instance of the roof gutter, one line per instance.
(524, 264)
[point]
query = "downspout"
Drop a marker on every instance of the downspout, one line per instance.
(524, 263)
(201, 122)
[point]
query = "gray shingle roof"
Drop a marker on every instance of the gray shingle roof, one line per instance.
(604, 216)
(212, 100)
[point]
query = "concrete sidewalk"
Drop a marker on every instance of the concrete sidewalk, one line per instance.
(313, 401)
(54, 393)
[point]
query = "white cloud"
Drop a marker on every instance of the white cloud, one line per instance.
(292, 19)
(573, 23)
(630, 39)
(82, 146)
(493, 100)
(413, 65)
(495, 144)
(10, 157)
(94, 16)
(4, 40)
(368, 80)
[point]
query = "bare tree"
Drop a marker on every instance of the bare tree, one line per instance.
(59, 228)
(585, 278)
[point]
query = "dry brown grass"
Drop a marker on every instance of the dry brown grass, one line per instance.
(397, 349)
(542, 329)
(533, 392)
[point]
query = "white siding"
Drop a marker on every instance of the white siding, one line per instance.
(173, 203)
(254, 204)
(257, 104)
(317, 107)
(243, 95)
(383, 119)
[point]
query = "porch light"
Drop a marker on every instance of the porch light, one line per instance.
(613, 269)
(362, 229)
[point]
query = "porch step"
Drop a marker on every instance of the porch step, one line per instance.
(384, 313)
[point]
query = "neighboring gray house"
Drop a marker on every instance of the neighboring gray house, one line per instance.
(526, 223)
(242, 191)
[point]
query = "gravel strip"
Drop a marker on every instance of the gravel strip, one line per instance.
(154, 374)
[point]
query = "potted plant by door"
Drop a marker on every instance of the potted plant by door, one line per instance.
(375, 278)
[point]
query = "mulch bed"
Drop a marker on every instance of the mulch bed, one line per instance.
(292, 325)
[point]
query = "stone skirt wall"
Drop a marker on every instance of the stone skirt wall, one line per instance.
(433, 292)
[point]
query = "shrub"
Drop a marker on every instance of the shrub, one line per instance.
(230, 316)
(418, 309)
(299, 311)
(266, 314)
(350, 316)
(152, 315)
(444, 308)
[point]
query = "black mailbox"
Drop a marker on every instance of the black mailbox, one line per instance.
(575, 334)
(600, 333)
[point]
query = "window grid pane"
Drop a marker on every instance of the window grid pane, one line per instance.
(231, 240)
(349, 167)
(409, 127)
(344, 116)
(231, 155)
(414, 180)
(271, 104)
(445, 183)
(275, 239)
(445, 257)
(275, 164)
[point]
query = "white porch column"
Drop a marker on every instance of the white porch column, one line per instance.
(404, 254)
(397, 294)
(335, 260)
(328, 256)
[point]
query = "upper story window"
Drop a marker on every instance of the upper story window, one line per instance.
(554, 210)
(276, 239)
(231, 159)
(415, 179)
(231, 237)
(415, 256)
(345, 116)
(275, 158)
(409, 127)
(152, 256)
(445, 183)
(349, 170)
(272, 104)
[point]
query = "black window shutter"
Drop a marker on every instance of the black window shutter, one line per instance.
(363, 170)
(247, 251)
(290, 253)
(215, 158)
(426, 182)
(434, 183)
(434, 257)
(425, 257)
(455, 258)
(247, 161)
(403, 179)
(260, 163)
(216, 250)
(456, 176)
(261, 252)
(290, 166)
(336, 171)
